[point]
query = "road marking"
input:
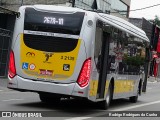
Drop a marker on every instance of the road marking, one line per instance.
(11, 100)
(121, 109)
(136, 106)
(149, 88)
(1, 90)
(152, 82)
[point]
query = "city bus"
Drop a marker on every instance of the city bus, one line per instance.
(64, 52)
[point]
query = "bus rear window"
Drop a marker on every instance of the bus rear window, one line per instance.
(53, 22)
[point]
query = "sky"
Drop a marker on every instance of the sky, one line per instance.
(147, 13)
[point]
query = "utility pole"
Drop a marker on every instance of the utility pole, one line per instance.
(1, 3)
(21, 2)
(73, 3)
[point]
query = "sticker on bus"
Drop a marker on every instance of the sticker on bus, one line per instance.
(46, 72)
(25, 66)
(66, 67)
(32, 66)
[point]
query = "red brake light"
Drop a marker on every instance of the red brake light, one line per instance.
(84, 75)
(12, 69)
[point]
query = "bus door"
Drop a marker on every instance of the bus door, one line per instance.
(98, 80)
(103, 65)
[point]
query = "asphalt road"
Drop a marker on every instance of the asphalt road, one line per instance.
(11, 100)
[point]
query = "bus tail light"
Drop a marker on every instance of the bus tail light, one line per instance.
(84, 75)
(12, 68)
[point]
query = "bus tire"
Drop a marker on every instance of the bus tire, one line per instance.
(133, 99)
(46, 99)
(105, 104)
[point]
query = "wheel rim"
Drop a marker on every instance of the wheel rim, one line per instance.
(108, 96)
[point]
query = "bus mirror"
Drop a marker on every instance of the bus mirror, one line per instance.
(107, 28)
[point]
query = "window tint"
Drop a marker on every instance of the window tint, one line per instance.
(50, 44)
(53, 22)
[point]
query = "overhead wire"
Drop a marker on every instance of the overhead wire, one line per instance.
(137, 9)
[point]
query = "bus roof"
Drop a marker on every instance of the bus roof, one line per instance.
(111, 20)
(123, 25)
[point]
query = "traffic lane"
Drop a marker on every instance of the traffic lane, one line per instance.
(25, 101)
(66, 108)
(152, 107)
(152, 93)
(116, 118)
(145, 112)
(112, 118)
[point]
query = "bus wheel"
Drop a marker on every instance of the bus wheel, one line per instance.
(105, 104)
(48, 99)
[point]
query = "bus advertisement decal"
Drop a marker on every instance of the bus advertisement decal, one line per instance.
(46, 72)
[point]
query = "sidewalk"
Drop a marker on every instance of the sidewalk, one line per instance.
(153, 79)
(3, 82)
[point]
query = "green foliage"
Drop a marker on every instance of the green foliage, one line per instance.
(134, 60)
(157, 21)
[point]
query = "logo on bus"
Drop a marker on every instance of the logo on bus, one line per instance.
(30, 54)
(47, 56)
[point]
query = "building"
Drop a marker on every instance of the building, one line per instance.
(153, 32)
(143, 24)
(118, 8)
(15, 4)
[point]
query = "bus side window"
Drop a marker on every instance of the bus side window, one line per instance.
(98, 45)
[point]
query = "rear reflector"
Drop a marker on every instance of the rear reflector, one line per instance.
(80, 92)
(12, 69)
(84, 75)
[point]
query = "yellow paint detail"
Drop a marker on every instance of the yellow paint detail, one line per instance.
(123, 86)
(55, 62)
(107, 85)
(93, 88)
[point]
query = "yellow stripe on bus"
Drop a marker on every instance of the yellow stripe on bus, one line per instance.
(121, 86)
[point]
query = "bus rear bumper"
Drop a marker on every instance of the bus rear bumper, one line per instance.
(22, 84)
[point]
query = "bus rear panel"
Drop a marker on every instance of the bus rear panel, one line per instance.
(46, 51)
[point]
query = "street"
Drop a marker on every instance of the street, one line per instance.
(11, 100)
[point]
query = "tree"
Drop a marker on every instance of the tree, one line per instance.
(157, 21)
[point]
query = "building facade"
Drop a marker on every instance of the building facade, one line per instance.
(118, 8)
(15, 4)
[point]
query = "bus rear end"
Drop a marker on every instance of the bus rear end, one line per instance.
(48, 54)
